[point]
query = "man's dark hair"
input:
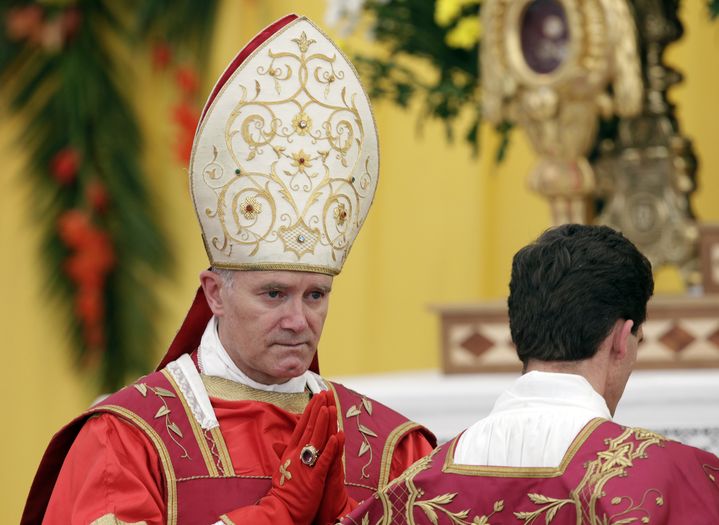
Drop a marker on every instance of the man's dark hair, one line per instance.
(570, 286)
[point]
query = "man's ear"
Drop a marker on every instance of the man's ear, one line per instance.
(212, 285)
(620, 342)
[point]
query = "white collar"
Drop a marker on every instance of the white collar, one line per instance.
(537, 388)
(215, 361)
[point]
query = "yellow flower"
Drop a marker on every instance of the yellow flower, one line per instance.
(301, 123)
(250, 208)
(301, 160)
(465, 34)
(445, 11)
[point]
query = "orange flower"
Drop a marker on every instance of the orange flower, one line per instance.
(73, 227)
(187, 80)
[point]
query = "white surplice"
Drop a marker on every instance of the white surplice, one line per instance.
(533, 422)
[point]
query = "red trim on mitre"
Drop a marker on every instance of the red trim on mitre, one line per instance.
(246, 51)
(190, 333)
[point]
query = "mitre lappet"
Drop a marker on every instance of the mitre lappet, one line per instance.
(285, 161)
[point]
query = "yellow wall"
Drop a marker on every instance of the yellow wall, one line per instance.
(443, 228)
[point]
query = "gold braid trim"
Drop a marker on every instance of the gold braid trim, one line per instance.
(111, 519)
(221, 388)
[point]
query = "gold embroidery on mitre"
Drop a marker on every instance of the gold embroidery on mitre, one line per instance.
(299, 238)
(285, 160)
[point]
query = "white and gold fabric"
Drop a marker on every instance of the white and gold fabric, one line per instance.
(285, 160)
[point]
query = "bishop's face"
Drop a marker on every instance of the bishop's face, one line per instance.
(270, 322)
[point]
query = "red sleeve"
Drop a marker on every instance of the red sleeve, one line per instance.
(412, 447)
(111, 469)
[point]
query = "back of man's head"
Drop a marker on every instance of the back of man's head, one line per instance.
(570, 286)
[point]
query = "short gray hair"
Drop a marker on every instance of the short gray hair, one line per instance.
(225, 274)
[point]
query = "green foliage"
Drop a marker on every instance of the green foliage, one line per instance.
(74, 93)
(713, 8)
(408, 29)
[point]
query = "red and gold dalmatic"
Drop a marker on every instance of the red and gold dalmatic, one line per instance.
(611, 475)
(206, 473)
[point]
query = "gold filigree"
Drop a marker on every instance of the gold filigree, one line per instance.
(299, 238)
(303, 42)
(432, 507)
(620, 455)
(301, 160)
(302, 123)
(340, 214)
(251, 208)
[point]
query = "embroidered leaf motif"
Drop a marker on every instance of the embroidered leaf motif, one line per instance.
(352, 411)
(162, 412)
(550, 514)
(660, 501)
(499, 505)
(616, 500)
(366, 431)
(429, 511)
(142, 388)
(173, 426)
(251, 155)
(523, 515)
(364, 447)
(443, 499)
(257, 88)
(480, 520)
(367, 405)
(539, 498)
(365, 520)
(163, 392)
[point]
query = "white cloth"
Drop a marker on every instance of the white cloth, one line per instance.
(533, 422)
(215, 361)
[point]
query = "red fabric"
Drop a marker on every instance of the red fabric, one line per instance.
(190, 333)
(244, 53)
(615, 475)
(113, 468)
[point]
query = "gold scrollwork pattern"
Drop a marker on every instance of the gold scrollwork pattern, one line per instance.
(620, 454)
(291, 171)
(401, 498)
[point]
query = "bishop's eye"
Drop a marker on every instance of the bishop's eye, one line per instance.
(274, 294)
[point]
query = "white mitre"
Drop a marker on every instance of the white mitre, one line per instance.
(285, 160)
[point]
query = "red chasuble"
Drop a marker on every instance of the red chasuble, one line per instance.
(611, 475)
(141, 456)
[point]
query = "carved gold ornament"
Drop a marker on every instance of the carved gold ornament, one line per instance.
(285, 160)
(548, 64)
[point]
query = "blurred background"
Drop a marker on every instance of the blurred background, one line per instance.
(94, 256)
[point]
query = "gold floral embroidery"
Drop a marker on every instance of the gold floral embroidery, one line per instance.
(432, 507)
(164, 411)
(340, 214)
(401, 497)
(251, 208)
(301, 160)
(302, 123)
(366, 432)
(620, 454)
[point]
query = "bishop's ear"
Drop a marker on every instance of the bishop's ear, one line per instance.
(212, 285)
